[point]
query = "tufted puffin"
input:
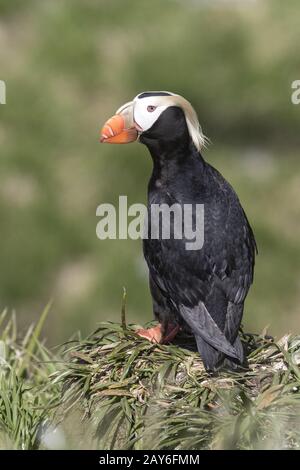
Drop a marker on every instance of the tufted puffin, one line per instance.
(203, 290)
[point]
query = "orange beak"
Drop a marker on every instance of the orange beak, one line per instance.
(114, 131)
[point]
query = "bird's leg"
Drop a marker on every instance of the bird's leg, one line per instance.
(170, 333)
(159, 333)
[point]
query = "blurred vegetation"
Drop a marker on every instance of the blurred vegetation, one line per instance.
(115, 390)
(27, 398)
(68, 65)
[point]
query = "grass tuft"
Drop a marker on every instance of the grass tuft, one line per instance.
(132, 394)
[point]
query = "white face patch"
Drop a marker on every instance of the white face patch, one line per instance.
(147, 110)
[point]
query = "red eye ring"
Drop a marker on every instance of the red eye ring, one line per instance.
(150, 108)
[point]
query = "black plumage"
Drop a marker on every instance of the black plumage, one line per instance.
(203, 290)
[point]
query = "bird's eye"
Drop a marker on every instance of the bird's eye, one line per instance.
(150, 109)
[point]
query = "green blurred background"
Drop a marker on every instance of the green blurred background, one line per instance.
(68, 65)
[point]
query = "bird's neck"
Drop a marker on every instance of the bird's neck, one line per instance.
(170, 162)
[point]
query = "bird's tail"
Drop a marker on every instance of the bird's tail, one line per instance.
(215, 360)
(204, 327)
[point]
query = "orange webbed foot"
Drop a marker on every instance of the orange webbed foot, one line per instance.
(153, 334)
(156, 335)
